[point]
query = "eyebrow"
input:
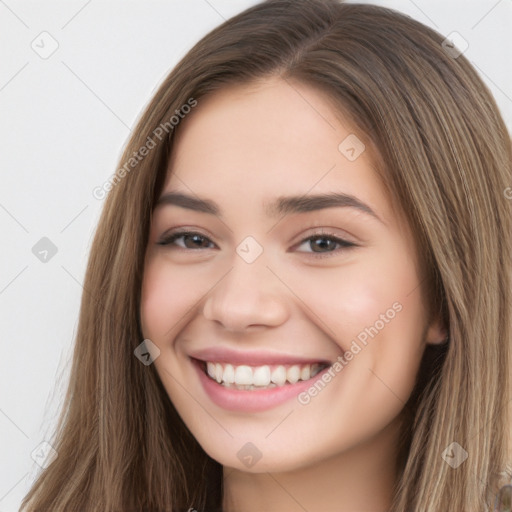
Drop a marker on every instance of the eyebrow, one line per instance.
(282, 205)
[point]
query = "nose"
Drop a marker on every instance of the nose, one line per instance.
(249, 295)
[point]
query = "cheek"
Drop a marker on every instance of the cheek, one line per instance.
(373, 311)
(392, 322)
(377, 293)
(396, 353)
(168, 295)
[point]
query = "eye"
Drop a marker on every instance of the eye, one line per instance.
(187, 240)
(322, 244)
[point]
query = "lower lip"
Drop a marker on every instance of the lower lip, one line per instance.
(253, 400)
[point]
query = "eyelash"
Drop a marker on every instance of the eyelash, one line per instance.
(171, 238)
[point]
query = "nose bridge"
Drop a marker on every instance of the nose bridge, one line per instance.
(248, 294)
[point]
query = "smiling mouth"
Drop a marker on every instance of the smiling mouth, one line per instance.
(253, 378)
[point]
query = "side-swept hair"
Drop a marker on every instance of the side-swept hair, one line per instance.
(445, 157)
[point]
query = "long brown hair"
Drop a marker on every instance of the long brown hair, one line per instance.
(445, 157)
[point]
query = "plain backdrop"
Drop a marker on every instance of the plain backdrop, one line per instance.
(74, 77)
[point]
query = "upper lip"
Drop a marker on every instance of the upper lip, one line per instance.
(252, 357)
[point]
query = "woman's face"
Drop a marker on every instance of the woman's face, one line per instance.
(296, 266)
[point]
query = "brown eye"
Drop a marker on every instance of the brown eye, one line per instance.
(322, 244)
(187, 240)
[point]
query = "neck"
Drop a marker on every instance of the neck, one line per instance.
(361, 479)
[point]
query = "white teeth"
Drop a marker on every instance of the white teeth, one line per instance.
(218, 373)
(210, 368)
(243, 376)
(229, 374)
(248, 378)
(261, 376)
(305, 373)
(293, 374)
(279, 376)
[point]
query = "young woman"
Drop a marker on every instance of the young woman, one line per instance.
(299, 294)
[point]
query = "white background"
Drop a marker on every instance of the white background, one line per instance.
(63, 123)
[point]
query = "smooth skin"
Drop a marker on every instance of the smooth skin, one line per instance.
(242, 148)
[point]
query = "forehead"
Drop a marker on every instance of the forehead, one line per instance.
(262, 119)
(268, 139)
